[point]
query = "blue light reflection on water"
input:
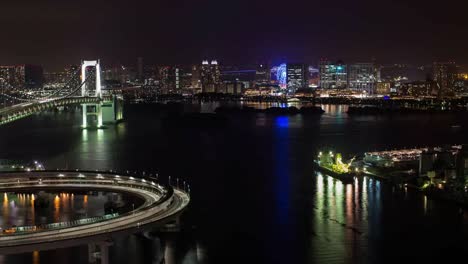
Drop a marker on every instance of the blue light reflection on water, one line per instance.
(282, 185)
(282, 122)
(281, 154)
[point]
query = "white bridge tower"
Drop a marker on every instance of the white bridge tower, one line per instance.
(97, 66)
(109, 110)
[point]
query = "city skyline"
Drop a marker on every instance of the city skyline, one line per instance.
(186, 32)
(248, 131)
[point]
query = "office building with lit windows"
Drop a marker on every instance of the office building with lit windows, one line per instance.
(21, 76)
(444, 75)
(362, 76)
(296, 76)
(210, 76)
(333, 75)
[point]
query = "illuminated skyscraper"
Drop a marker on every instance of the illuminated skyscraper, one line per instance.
(445, 75)
(362, 76)
(332, 75)
(313, 77)
(210, 76)
(262, 74)
(196, 77)
(21, 76)
(296, 74)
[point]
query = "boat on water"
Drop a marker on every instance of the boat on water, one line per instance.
(332, 165)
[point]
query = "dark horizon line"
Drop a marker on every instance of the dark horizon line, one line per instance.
(269, 62)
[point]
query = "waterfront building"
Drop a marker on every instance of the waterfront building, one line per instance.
(210, 76)
(166, 78)
(314, 77)
(333, 75)
(52, 79)
(121, 73)
(383, 88)
(21, 76)
(262, 74)
(175, 79)
(296, 76)
(305, 92)
(399, 73)
(444, 75)
(418, 89)
(232, 88)
(196, 78)
(362, 76)
(262, 90)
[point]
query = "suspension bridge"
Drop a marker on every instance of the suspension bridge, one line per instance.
(83, 88)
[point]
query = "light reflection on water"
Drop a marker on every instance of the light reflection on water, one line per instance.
(340, 219)
(19, 210)
(343, 223)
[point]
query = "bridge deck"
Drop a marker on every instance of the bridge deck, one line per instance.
(15, 112)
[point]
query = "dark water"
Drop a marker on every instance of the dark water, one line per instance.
(255, 196)
(17, 209)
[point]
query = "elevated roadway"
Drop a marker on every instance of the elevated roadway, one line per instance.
(161, 206)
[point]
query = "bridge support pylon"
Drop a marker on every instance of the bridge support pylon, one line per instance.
(92, 110)
(108, 111)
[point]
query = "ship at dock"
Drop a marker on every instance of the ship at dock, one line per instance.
(332, 164)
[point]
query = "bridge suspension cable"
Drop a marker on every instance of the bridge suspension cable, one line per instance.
(88, 78)
(75, 77)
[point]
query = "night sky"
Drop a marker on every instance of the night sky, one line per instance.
(58, 33)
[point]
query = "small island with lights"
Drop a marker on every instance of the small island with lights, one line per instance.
(332, 164)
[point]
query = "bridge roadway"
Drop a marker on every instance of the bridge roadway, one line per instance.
(161, 206)
(15, 112)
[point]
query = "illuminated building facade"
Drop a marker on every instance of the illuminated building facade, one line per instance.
(8, 78)
(362, 76)
(417, 89)
(445, 75)
(314, 77)
(210, 76)
(262, 74)
(333, 75)
(281, 75)
(231, 87)
(21, 76)
(383, 88)
(166, 79)
(196, 78)
(296, 74)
